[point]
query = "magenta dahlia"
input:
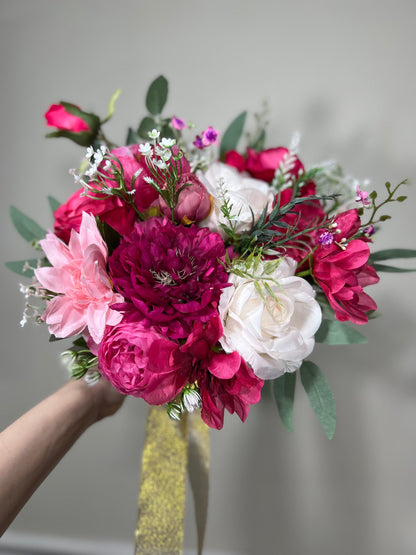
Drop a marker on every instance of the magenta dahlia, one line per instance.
(170, 275)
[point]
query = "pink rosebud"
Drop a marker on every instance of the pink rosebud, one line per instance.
(57, 116)
(194, 202)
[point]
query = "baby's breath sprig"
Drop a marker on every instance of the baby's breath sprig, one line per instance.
(105, 168)
(164, 162)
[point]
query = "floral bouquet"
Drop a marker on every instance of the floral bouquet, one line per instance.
(188, 273)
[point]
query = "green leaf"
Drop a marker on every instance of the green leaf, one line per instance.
(385, 217)
(20, 267)
(25, 226)
(146, 125)
(54, 204)
(284, 394)
(391, 269)
(132, 137)
(333, 332)
(167, 132)
(320, 396)
(232, 134)
(387, 254)
(401, 198)
(157, 95)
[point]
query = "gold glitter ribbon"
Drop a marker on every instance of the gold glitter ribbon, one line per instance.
(160, 523)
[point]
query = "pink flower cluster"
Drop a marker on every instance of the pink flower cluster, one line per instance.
(339, 251)
(150, 308)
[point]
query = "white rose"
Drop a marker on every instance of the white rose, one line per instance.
(276, 338)
(244, 193)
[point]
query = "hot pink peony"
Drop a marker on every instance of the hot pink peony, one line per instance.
(171, 275)
(79, 277)
(129, 360)
(342, 271)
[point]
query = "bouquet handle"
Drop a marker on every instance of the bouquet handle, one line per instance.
(170, 449)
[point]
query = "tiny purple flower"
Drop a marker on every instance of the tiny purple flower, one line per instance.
(369, 230)
(210, 136)
(325, 238)
(178, 123)
(199, 143)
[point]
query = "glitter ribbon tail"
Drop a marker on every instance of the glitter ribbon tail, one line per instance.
(160, 523)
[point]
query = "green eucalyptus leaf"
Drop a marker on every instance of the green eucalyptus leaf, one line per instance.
(132, 137)
(284, 394)
(387, 254)
(25, 226)
(232, 134)
(157, 95)
(54, 204)
(320, 396)
(146, 125)
(21, 268)
(333, 332)
(391, 269)
(167, 131)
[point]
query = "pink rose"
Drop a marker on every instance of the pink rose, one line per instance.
(263, 165)
(110, 210)
(194, 202)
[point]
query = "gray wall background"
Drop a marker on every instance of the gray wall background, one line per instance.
(341, 73)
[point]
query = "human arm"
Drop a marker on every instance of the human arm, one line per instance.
(31, 447)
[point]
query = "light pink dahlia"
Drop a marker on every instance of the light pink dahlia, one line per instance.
(79, 277)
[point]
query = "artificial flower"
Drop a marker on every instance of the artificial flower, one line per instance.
(194, 202)
(340, 268)
(57, 116)
(78, 276)
(129, 360)
(170, 274)
(247, 196)
(273, 332)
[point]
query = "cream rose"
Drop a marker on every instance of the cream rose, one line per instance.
(274, 334)
(248, 196)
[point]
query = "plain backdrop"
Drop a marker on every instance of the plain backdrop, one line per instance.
(342, 74)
